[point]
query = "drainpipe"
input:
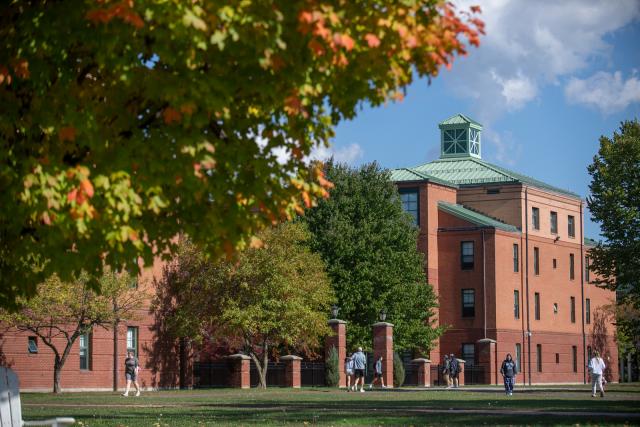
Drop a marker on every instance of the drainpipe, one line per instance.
(484, 284)
(584, 337)
(115, 348)
(526, 277)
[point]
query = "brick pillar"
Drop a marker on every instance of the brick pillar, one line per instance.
(240, 367)
(338, 339)
(291, 370)
(487, 358)
(461, 363)
(424, 372)
(383, 346)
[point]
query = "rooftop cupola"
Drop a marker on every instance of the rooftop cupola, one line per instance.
(460, 137)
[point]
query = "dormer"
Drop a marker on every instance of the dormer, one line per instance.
(460, 137)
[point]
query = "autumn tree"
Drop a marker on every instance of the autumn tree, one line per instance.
(62, 312)
(370, 247)
(273, 296)
(124, 123)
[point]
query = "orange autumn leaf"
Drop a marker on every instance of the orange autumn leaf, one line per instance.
(372, 40)
(476, 9)
(21, 69)
(307, 199)
(71, 195)
(67, 134)
(171, 115)
(87, 187)
(4, 75)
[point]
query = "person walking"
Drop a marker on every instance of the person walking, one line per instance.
(509, 370)
(377, 374)
(131, 369)
(348, 371)
(453, 370)
(596, 370)
(446, 370)
(359, 364)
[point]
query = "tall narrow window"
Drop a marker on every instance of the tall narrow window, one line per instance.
(589, 353)
(572, 267)
(536, 305)
(468, 303)
(587, 311)
(587, 277)
(518, 357)
(466, 255)
(573, 309)
(536, 261)
(553, 219)
(469, 354)
(516, 304)
(539, 357)
(132, 340)
(574, 357)
(85, 351)
(571, 226)
(516, 258)
(409, 199)
(32, 345)
(535, 218)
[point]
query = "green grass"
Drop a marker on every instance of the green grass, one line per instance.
(321, 406)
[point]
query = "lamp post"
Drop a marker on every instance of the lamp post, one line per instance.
(383, 315)
(334, 311)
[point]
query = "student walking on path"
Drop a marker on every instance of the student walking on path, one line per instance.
(131, 369)
(596, 370)
(453, 370)
(377, 374)
(348, 371)
(359, 364)
(509, 370)
(446, 370)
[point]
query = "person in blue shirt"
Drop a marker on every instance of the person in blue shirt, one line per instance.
(377, 374)
(359, 364)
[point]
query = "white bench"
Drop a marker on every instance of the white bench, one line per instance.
(10, 410)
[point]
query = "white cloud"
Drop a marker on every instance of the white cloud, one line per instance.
(516, 91)
(349, 154)
(608, 92)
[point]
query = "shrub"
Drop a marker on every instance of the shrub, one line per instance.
(332, 369)
(398, 371)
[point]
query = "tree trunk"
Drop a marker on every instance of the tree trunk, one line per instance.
(184, 354)
(261, 366)
(57, 368)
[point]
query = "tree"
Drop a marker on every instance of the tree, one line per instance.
(332, 368)
(136, 121)
(370, 248)
(614, 203)
(273, 296)
(398, 371)
(62, 312)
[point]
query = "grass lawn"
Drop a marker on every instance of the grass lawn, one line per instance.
(322, 406)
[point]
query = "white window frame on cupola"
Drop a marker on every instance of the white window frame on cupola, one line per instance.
(463, 140)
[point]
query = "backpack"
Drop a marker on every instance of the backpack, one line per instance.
(454, 366)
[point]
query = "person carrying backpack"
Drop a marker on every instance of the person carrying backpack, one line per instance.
(509, 370)
(453, 370)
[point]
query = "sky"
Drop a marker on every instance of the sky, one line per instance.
(549, 78)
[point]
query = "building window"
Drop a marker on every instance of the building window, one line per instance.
(132, 340)
(539, 357)
(516, 258)
(589, 352)
(518, 356)
(573, 309)
(469, 354)
(572, 264)
(535, 218)
(468, 302)
(587, 278)
(557, 358)
(571, 226)
(409, 199)
(32, 344)
(574, 357)
(555, 308)
(587, 311)
(85, 351)
(516, 304)
(555, 264)
(536, 305)
(553, 219)
(536, 261)
(466, 255)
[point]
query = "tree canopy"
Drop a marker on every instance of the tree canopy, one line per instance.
(369, 245)
(275, 296)
(125, 123)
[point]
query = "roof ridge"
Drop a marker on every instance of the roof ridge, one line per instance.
(482, 213)
(476, 217)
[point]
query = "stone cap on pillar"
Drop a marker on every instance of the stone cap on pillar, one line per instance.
(421, 360)
(336, 322)
(383, 324)
(237, 356)
(291, 357)
(487, 340)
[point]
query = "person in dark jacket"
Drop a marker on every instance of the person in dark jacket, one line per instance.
(509, 370)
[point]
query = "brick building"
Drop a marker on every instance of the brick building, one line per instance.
(508, 261)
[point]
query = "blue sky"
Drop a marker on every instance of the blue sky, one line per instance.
(547, 81)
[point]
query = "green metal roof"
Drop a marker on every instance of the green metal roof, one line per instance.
(471, 171)
(459, 119)
(406, 174)
(590, 242)
(475, 217)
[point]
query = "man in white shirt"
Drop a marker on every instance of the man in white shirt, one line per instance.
(596, 369)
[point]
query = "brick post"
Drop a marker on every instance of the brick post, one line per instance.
(240, 367)
(383, 346)
(424, 372)
(487, 358)
(461, 363)
(338, 339)
(291, 370)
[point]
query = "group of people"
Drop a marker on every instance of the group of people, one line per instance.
(354, 369)
(450, 370)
